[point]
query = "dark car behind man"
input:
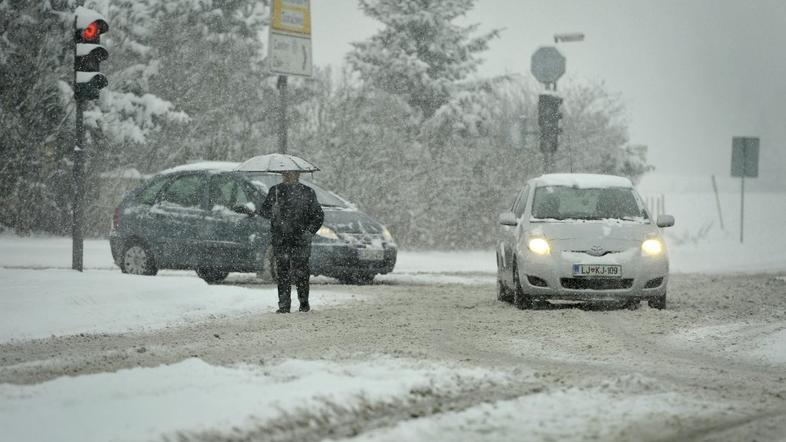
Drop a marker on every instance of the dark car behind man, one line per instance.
(201, 217)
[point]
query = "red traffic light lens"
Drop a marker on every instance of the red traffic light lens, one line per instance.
(91, 32)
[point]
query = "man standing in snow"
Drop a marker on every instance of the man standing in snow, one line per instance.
(295, 216)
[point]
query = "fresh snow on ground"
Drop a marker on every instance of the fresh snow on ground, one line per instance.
(192, 396)
(42, 303)
(437, 279)
(42, 252)
(756, 341)
(575, 414)
(446, 262)
(706, 239)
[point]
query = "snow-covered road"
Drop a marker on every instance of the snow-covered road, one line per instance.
(404, 361)
(426, 353)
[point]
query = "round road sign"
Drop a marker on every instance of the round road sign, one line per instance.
(547, 64)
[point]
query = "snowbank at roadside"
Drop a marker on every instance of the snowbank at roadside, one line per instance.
(192, 396)
(576, 414)
(42, 303)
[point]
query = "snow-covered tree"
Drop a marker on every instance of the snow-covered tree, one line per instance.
(184, 81)
(200, 59)
(595, 135)
(420, 53)
(36, 134)
(363, 140)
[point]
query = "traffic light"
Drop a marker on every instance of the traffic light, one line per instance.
(89, 25)
(548, 120)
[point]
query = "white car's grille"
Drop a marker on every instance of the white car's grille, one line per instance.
(596, 283)
(596, 252)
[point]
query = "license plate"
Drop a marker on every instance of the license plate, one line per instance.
(371, 254)
(604, 270)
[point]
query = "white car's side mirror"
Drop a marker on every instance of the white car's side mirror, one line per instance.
(665, 221)
(508, 219)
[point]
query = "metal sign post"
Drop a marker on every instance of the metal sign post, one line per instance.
(289, 51)
(744, 163)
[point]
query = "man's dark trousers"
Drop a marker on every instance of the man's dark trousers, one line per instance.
(292, 267)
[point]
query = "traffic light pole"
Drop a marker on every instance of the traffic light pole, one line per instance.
(282, 113)
(79, 186)
(89, 25)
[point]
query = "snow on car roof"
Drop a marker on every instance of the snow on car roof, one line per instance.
(582, 180)
(222, 166)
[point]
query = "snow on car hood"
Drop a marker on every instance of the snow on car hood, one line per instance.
(351, 221)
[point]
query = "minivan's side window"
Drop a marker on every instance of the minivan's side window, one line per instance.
(521, 203)
(185, 191)
(148, 195)
(226, 191)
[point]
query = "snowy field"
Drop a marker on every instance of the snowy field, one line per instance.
(48, 311)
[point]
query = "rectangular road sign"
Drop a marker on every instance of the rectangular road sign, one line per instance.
(745, 157)
(291, 16)
(289, 45)
(289, 55)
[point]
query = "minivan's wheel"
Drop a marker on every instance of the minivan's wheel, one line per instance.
(138, 260)
(212, 276)
(658, 303)
(521, 300)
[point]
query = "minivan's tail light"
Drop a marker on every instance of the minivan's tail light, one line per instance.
(116, 219)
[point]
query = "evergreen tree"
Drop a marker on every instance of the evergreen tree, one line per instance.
(36, 134)
(420, 53)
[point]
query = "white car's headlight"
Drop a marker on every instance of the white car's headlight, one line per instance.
(327, 232)
(652, 247)
(539, 246)
(386, 234)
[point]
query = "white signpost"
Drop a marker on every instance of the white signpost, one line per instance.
(289, 46)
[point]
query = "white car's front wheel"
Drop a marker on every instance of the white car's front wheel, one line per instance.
(658, 302)
(504, 294)
(521, 300)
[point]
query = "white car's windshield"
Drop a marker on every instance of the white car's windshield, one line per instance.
(563, 202)
(267, 180)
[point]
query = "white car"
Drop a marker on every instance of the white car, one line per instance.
(581, 237)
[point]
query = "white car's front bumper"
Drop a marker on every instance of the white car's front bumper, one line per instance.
(551, 276)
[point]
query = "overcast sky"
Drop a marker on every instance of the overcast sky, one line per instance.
(692, 73)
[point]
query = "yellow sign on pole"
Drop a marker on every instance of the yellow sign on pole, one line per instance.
(292, 16)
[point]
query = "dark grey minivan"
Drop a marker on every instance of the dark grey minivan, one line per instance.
(200, 217)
